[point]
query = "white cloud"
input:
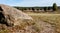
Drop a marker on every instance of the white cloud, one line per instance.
(35, 2)
(30, 2)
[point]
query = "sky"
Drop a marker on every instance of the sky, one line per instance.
(28, 3)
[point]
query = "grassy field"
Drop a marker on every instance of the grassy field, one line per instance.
(53, 19)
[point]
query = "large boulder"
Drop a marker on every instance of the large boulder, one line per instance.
(11, 16)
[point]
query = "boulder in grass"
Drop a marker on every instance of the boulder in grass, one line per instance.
(11, 16)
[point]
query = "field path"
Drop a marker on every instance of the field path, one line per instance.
(46, 27)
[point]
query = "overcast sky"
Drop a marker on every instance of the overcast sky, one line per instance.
(30, 2)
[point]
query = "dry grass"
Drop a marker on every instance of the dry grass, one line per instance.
(53, 19)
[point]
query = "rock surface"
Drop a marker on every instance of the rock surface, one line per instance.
(11, 16)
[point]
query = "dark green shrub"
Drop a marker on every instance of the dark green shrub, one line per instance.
(54, 7)
(45, 9)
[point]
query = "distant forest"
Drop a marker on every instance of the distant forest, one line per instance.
(54, 7)
(35, 8)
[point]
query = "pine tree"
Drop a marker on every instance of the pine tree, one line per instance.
(54, 7)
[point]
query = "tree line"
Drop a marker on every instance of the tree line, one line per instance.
(54, 8)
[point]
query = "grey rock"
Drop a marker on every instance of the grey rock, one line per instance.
(11, 16)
